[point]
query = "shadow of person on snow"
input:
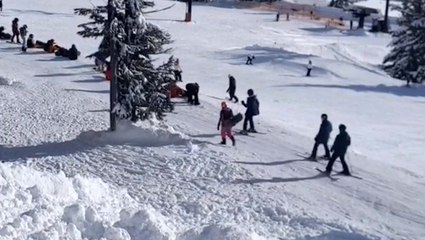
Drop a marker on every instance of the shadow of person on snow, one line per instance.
(274, 163)
(277, 179)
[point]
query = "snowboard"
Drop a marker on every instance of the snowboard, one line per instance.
(236, 119)
(326, 174)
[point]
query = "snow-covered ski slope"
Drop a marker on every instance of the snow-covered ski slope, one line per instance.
(64, 176)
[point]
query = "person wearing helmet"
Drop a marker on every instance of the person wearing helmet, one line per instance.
(342, 141)
(225, 121)
(252, 109)
(322, 137)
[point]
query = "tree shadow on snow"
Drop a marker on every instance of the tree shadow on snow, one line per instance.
(56, 59)
(277, 179)
(274, 163)
(86, 90)
(333, 234)
(89, 140)
(56, 75)
(95, 79)
(206, 135)
(81, 66)
(395, 90)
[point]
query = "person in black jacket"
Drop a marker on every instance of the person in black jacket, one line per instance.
(73, 53)
(322, 137)
(4, 35)
(232, 88)
(252, 109)
(192, 90)
(342, 141)
(15, 30)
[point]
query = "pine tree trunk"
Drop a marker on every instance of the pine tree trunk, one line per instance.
(113, 87)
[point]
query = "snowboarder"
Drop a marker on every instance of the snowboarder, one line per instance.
(339, 148)
(192, 90)
(23, 32)
(249, 59)
(177, 71)
(322, 137)
(232, 88)
(252, 109)
(225, 121)
(15, 30)
(309, 67)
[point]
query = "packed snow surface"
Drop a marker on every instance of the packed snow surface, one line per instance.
(64, 176)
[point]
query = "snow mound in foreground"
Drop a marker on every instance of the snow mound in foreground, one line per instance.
(36, 205)
(6, 81)
(137, 134)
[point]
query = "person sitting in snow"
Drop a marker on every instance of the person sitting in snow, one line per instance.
(339, 148)
(226, 124)
(51, 46)
(73, 53)
(3, 35)
(249, 59)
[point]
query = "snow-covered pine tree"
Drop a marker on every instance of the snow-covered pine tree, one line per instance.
(406, 61)
(141, 92)
(342, 3)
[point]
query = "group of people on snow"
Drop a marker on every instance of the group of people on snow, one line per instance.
(20, 33)
(339, 148)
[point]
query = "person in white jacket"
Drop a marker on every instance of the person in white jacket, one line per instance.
(177, 71)
(309, 67)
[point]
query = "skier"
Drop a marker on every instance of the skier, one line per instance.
(15, 30)
(225, 121)
(249, 59)
(232, 88)
(252, 109)
(177, 71)
(23, 32)
(342, 141)
(322, 137)
(309, 67)
(192, 90)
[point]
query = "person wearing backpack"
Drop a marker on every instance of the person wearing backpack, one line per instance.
(252, 109)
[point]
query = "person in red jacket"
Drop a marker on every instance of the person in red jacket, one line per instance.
(225, 121)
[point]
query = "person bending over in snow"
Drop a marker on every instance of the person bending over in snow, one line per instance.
(252, 109)
(192, 90)
(249, 59)
(322, 137)
(342, 141)
(232, 88)
(225, 121)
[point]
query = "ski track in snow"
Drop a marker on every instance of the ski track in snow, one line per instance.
(179, 183)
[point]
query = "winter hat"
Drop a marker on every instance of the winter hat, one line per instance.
(342, 127)
(250, 92)
(324, 115)
(223, 105)
(25, 26)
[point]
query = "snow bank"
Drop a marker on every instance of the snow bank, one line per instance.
(36, 205)
(6, 81)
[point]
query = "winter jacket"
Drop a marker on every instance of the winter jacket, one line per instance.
(226, 116)
(324, 132)
(192, 88)
(252, 106)
(232, 84)
(15, 28)
(73, 53)
(23, 31)
(309, 66)
(342, 141)
(30, 43)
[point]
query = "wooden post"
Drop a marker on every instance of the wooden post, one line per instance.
(188, 17)
(113, 66)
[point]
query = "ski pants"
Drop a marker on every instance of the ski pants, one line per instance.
(248, 118)
(331, 162)
(226, 131)
(316, 145)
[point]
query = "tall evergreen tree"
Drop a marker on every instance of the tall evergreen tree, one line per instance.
(342, 3)
(406, 61)
(141, 92)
